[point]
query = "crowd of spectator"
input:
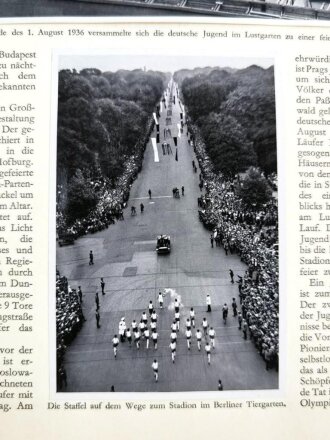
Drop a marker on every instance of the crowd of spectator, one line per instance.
(69, 318)
(252, 233)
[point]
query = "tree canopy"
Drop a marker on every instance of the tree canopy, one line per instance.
(235, 111)
(102, 116)
(255, 190)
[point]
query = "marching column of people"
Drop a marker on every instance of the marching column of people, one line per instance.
(146, 329)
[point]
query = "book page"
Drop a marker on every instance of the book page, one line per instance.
(164, 234)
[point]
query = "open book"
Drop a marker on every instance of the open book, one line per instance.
(164, 234)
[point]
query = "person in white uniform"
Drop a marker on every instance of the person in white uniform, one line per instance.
(154, 367)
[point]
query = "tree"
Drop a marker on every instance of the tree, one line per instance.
(102, 120)
(248, 96)
(81, 196)
(227, 144)
(254, 189)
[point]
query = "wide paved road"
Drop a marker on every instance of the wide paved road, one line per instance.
(124, 255)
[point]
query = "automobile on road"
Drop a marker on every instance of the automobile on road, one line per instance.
(163, 244)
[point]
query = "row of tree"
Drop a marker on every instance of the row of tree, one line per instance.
(102, 116)
(235, 112)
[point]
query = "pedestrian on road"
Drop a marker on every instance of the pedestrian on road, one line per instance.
(97, 301)
(149, 192)
(208, 352)
(205, 326)
(192, 316)
(154, 336)
(129, 337)
(199, 339)
(231, 273)
(102, 286)
(153, 316)
(244, 311)
(234, 307)
(91, 258)
(141, 207)
(163, 147)
(115, 342)
(208, 303)
(134, 326)
(154, 367)
(173, 326)
(62, 377)
(212, 336)
(268, 357)
(188, 336)
(150, 307)
(220, 386)
(225, 246)
(173, 336)
(80, 294)
(153, 325)
(182, 190)
(245, 328)
(173, 350)
(142, 326)
(177, 319)
(122, 330)
(225, 313)
(240, 319)
(176, 305)
(144, 318)
(137, 337)
(193, 164)
(211, 239)
(147, 336)
(188, 324)
(112, 389)
(160, 300)
(97, 317)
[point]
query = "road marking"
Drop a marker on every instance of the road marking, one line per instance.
(136, 243)
(145, 198)
(161, 106)
(154, 146)
(179, 130)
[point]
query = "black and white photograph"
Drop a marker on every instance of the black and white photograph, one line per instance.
(167, 240)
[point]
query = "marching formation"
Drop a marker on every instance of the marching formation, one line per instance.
(198, 334)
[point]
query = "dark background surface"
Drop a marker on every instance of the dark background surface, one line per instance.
(302, 9)
(39, 8)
